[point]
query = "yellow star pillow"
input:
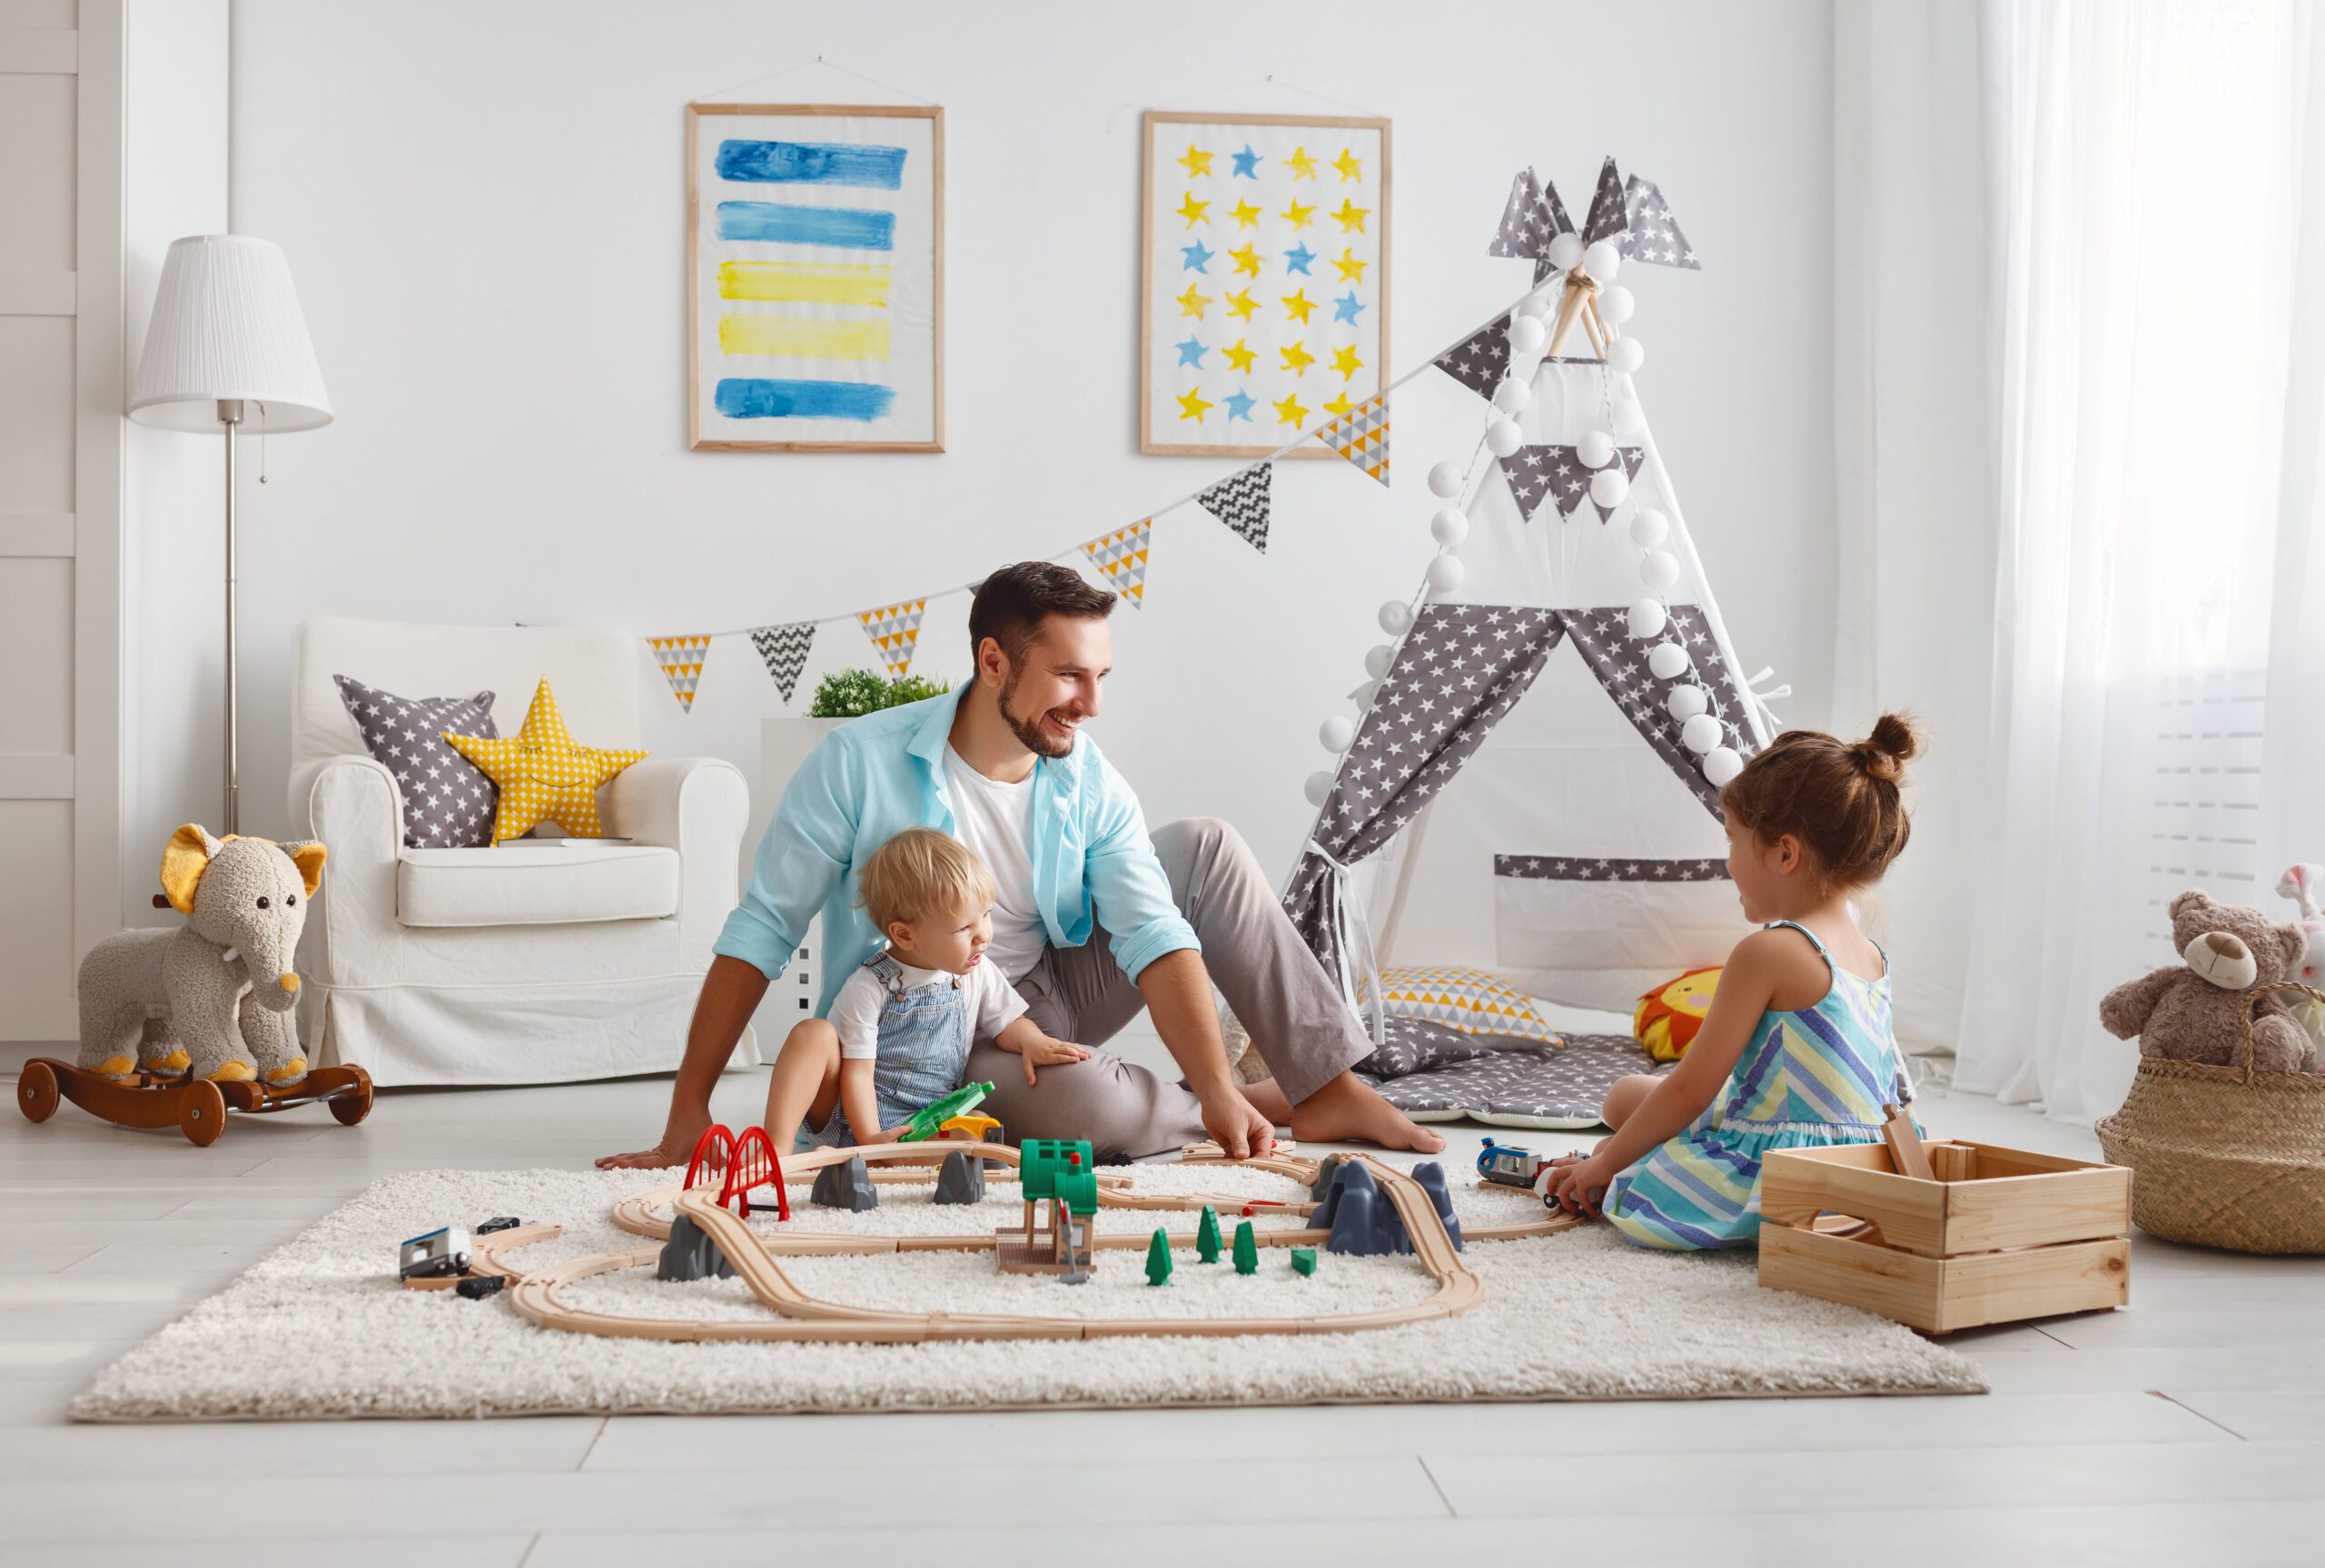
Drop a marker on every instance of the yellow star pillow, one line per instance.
(543, 772)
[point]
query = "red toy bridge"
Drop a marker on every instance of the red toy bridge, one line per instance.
(747, 1162)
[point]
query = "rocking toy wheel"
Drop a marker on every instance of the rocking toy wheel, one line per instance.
(201, 1114)
(353, 1106)
(37, 1093)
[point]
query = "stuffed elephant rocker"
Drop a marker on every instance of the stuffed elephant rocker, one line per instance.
(215, 998)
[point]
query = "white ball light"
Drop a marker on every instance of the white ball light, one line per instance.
(1502, 437)
(1319, 787)
(1445, 574)
(1722, 763)
(1336, 734)
(1450, 526)
(1630, 419)
(1649, 528)
(1658, 569)
(1525, 337)
(1686, 702)
(1668, 660)
(1396, 617)
(1625, 355)
(1564, 252)
(1700, 734)
(1645, 619)
(1615, 304)
(1444, 480)
(1596, 449)
(1608, 487)
(1512, 396)
(1537, 306)
(1378, 659)
(1602, 260)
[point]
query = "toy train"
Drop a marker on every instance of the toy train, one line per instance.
(1500, 1162)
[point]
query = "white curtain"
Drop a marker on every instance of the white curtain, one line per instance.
(2124, 545)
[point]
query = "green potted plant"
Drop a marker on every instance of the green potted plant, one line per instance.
(851, 694)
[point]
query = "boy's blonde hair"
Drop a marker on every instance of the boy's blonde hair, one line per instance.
(920, 873)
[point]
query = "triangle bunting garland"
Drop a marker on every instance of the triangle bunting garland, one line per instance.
(1557, 473)
(1242, 503)
(1479, 359)
(682, 659)
(1121, 556)
(784, 650)
(895, 630)
(1362, 436)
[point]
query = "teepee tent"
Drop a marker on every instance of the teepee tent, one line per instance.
(1531, 787)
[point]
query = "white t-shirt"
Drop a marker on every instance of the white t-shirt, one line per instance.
(995, 820)
(994, 1004)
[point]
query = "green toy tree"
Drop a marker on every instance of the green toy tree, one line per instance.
(1247, 1249)
(1207, 1236)
(1158, 1258)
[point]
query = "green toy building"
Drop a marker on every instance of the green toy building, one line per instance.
(1247, 1249)
(1207, 1236)
(1062, 1173)
(1158, 1258)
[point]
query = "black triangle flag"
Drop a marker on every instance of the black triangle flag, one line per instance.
(1478, 361)
(1605, 220)
(1649, 235)
(784, 650)
(1242, 503)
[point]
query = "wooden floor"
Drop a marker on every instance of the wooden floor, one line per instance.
(2189, 1428)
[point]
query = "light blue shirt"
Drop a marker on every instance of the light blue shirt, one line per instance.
(875, 776)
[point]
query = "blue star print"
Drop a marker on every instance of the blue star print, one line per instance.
(1198, 260)
(1192, 352)
(1296, 260)
(1345, 308)
(1239, 406)
(1247, 164)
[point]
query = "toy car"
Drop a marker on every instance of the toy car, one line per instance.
(499, 1222)
(1510, 1166)
(439, 1252)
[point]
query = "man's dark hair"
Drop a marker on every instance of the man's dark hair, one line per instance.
(1011, 603)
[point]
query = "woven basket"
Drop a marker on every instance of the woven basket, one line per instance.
(2225, 1156)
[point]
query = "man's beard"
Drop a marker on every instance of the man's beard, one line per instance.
(1029, 731)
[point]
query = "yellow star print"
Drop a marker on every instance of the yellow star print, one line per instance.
(1340, 407)
(1351, 270)
(1289, 412)
(1350, 166)
(1296, 358)
(1193, 302)
(1240, 357)
(1194, 211)
(1302, 166)
(1246, 258)
(1200, 163)
(1298, 216)
(1297, 304)
(1246, 216)
(1345, 361)
(1240, 304)
(543, 772)
(1352, 216)
(1191, 405)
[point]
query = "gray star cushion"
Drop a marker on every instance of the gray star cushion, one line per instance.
(448, 803)
(1519, 1087)
(1414, 1044)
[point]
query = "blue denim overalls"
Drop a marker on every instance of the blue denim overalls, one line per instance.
(923, 1051)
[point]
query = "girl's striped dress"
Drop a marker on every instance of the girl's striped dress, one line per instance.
(1809, 1079)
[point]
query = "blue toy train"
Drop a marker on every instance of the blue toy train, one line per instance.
(1509, 1167)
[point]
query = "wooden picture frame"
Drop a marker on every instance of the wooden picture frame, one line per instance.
(827, 307)
(1234, 147)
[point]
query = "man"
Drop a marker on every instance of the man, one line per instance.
(1094, 921)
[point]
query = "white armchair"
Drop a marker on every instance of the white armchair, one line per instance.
(514, 964)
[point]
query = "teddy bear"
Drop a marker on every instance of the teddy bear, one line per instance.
(2193, 1011)
(214, 998)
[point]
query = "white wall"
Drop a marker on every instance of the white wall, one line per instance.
(483, 207)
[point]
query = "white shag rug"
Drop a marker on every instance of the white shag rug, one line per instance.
(1580, 1315)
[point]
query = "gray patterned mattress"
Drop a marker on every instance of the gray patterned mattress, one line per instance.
(1436, 1074)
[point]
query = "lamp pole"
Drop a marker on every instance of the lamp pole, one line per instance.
(230, 414)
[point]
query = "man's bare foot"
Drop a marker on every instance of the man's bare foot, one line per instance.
(676, 1147)
(1347, 1111)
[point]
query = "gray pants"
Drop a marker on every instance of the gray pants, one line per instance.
(1298, 1021)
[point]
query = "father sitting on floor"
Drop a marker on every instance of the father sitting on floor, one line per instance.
(1093, 920)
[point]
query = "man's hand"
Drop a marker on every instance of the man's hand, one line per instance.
(680, 1135)
(1047, 1052)
(1236, 1124)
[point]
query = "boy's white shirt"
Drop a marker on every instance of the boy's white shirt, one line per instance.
(994, 1004)
(996, 822)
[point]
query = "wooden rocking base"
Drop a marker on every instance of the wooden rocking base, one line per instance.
(197, 1109)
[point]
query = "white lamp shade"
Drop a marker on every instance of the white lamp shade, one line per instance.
(226, 324)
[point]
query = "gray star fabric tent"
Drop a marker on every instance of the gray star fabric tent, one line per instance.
(1520, 795)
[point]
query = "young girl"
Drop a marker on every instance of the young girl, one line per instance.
(1796, 1051)
(900, 1028)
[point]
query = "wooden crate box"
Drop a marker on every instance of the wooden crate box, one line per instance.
(1999, 1236)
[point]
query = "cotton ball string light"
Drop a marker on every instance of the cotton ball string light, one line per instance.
(1686, 702)
(1649, 528)
(1396, 617)
(1609, 489)
(1319, 787)
(1625, 355)
(1502, 437)
(1564, 252)
(1722, 763)
(1615, 305)
(1630, 419)
(1525, 337)
(1450, 526)
(1535, 306)
(1602, 260)
(1444, 480)
(1668, 660)
(1700, 734)
(1377, 660)
(1596, 449)
(1658, 569)
(1445, 574)
(1336, 734)
(1512, 395)
(1362, 696)
(1645, 619)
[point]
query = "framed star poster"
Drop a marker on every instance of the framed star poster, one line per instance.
(1263, 295)
(814, 278)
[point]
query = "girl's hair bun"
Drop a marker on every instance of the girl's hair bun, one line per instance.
(1882, 754)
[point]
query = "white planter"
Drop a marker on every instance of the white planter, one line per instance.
(783, 744)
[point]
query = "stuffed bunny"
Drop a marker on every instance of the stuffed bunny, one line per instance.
(2305, 885)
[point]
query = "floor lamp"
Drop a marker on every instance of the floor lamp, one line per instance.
(227, 344)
